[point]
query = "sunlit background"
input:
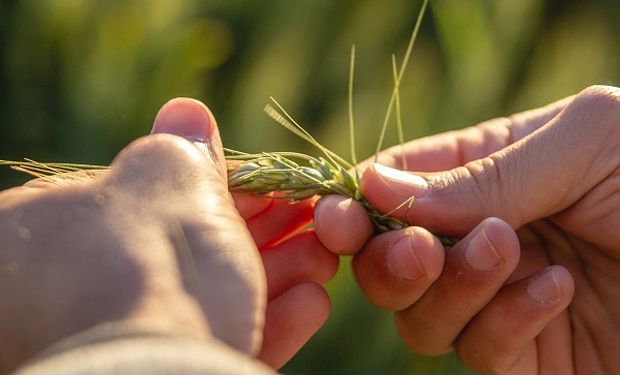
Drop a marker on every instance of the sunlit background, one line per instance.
(80, 79)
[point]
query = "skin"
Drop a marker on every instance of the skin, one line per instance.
(159, 243)
(533, 286)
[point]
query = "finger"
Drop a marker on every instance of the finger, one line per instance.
(291, 320)
(342, 224)
(192, 120)
(397, 267)
(299, 259)
(475, 270)
(250, 205)
(280, 219)
(494, 341)
(533, 178)
(452, 149)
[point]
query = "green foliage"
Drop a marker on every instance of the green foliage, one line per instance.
(80, 79)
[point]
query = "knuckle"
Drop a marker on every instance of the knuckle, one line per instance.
(601, 93)
(599, 101)
(594, 115)
(161, 158)
(161, 150)
(485, 178)
(161, 164)
(485, 173)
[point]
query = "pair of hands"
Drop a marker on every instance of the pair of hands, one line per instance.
(158, 242)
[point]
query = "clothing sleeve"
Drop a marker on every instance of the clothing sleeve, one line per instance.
(117, 350)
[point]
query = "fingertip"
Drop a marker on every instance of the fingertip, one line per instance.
(193, 120)
(375, 189)
(185, 117)
(342, 224)
(430, 251)
(503, 238)
(516, 316)
(552, 286)
(390, 190)
(396, 268)
(417, 254)
(566, 281)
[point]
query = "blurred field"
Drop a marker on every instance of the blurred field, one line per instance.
(80, 79)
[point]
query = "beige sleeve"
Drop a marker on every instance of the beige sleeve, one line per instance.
(116, 350)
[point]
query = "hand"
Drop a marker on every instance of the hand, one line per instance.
(296, 263)
(155, 243)
(499, 298)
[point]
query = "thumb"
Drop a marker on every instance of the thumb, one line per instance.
(542, 174)
(185, 164)
(192, 120)
(229, 281)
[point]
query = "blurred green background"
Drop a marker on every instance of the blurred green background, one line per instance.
(80, 79)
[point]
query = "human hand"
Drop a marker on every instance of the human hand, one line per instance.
(499, 298)
(296, 264)
(155, 243)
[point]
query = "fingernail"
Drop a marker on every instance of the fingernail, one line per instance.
(184, 117)
(545, 289)
(402, 183)
(481, 254)
(403, 261)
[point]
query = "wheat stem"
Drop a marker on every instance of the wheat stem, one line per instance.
(399, 120)
(351, 120)
(401, 73)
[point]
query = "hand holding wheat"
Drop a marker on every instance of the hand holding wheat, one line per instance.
(500, 297)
